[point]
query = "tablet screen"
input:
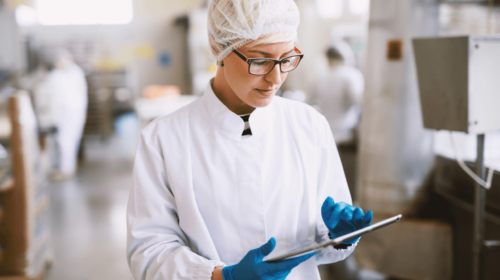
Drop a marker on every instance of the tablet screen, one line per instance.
(338, 240)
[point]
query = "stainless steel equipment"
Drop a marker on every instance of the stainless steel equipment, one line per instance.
(457, 77)
(459, 91)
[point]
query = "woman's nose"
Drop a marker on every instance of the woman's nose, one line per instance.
(274, 76)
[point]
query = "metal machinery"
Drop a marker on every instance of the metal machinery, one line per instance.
(104, 106)
(459, 91)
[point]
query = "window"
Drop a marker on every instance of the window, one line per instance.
(84, 12)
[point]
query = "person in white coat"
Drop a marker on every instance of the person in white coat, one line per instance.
(67, 83)
(338, 96)
(240, 175)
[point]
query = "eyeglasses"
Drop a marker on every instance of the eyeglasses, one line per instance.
(263, 66)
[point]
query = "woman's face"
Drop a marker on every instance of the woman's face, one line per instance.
(256, 91)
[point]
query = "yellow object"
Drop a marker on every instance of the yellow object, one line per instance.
(108, 64)
(144, 51)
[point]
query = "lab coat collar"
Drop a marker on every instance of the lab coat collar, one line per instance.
(230, 123)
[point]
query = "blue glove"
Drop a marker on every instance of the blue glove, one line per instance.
(252, 267)
(341, 218)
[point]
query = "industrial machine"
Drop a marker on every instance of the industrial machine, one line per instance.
(460, 91)
(458, 81)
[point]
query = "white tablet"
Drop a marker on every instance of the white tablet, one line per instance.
(339, 239)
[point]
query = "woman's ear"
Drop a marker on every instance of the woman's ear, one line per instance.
(222, 63)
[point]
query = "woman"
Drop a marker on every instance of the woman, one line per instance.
(240, 174)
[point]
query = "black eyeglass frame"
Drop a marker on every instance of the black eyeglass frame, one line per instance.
(276, 61)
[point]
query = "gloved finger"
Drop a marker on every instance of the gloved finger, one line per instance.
(367, 219)
(358, 214)
(288, 264)
(265, 249)
(327, 208)
(347, 213)
(337, 212)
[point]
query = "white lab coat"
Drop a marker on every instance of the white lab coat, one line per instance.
(70, 90)
(338, 97)
(203, 197)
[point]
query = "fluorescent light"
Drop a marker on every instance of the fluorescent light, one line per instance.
(84, 12)
(359, 7)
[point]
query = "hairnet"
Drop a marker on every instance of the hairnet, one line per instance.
(234, 23)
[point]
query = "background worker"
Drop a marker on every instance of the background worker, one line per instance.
(339, 95)
(67, 82)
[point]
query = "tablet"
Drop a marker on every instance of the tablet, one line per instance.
(339, 239)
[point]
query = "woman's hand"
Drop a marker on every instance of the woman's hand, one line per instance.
(342, 218)
(252, 267)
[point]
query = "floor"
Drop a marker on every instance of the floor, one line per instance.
(88, 216)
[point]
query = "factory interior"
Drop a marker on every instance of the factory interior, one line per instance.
(410, 88)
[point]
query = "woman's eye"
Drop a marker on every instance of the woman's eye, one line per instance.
(259, 62)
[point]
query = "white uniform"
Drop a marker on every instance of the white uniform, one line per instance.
(338, 97)
(70, 89)
(203, 197)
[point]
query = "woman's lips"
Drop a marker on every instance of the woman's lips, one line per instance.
(266, 92)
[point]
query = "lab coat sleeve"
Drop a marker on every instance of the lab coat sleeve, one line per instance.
(156, 245)
(331, 182)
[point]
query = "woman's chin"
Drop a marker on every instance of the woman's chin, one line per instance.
(262, 102)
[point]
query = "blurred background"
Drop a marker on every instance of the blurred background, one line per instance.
(80, 78)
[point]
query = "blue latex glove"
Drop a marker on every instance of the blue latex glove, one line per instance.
(341, 218)
(252, 267)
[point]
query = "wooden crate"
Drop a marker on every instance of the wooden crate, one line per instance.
(24, 227)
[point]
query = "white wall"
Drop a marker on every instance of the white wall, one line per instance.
(395, 150)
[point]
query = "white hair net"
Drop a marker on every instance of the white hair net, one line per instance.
(234, 23)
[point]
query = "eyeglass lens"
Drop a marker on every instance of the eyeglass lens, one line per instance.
(264, 66)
